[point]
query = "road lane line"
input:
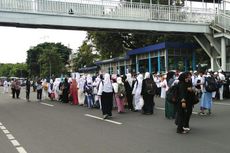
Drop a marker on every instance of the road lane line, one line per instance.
(6, 131)
(21, 150)
(99, 118)
(10, 136)
(3, 127)
(160, 108)
(15, 142)
(219, 103)
(47, 104)
(12, 139)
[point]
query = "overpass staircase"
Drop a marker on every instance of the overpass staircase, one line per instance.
(213, 43)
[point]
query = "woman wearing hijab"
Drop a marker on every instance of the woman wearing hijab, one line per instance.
(185, 103)
(129, 88)
(120, 93)
(148, 95)
(65, 89)
(106, 92)
(88, 89)
(169, 107)
(97, 101)
(138, 99)
(74, 92)
(81, 95)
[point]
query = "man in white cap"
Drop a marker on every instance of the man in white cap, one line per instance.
(221, 80)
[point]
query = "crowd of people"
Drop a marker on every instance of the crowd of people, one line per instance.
(136, 92)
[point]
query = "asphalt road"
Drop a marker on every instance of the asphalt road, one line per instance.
(54, 127)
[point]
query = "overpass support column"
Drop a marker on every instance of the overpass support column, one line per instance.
(223, 54)
(150, 63)
(137, 65)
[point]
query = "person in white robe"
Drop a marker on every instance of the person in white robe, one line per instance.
(81, 95)
(164, 86)
(6, 86)
(138, 99)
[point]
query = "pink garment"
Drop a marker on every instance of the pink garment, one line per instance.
(120, 104)
(74, 92)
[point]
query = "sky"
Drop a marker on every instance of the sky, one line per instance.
(14, 42)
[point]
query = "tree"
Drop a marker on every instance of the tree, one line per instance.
(47, 58)
(84, 56)
(18, 70)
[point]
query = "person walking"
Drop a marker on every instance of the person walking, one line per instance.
(6, 86)
(28, 89)
(149, 88)
(120, 93)
(183, 104)
(221, 82)
(13, 86)
(106, 92)
(129, 83)
(138, 99)
(170, 111)
(17, 88)
(39, 90)
(74, 92)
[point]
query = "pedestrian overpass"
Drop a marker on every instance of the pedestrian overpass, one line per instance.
(210, 27)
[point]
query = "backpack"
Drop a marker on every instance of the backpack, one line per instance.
(150, 86)
(210, 84)
(172, 94)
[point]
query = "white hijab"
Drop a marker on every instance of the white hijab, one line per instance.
(107, 83)
(129, 79)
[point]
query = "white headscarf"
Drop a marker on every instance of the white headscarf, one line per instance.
(119, 80)
(129, 79)
(107, 83)
(89, 79)
(147, 75)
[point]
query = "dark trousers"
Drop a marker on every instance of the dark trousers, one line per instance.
(180, 117)
(107, 103)
(188, 115)
(27, 95)
(13, 92)
(148, 104)
(39, 94)
(17, 93)
(130, 101)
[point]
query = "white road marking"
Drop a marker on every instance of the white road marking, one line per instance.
(12, 139)
(99, 118)
(2, 127)
(21, 150)
(10, 136)
(15, 142)
(47, 104)
(160, 108)
(219, 103)
(6, 131)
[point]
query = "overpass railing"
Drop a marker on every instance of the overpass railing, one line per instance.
(111, 9)
(223, 21)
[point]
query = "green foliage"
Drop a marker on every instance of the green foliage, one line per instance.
(84, 56)
(9, 70)
(47, 59)
(109, 44)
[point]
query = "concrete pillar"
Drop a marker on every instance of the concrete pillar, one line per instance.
(137, 65)
(166, 60)
(223, 54)
(193, 60)
(159, 61)
(150, 63)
